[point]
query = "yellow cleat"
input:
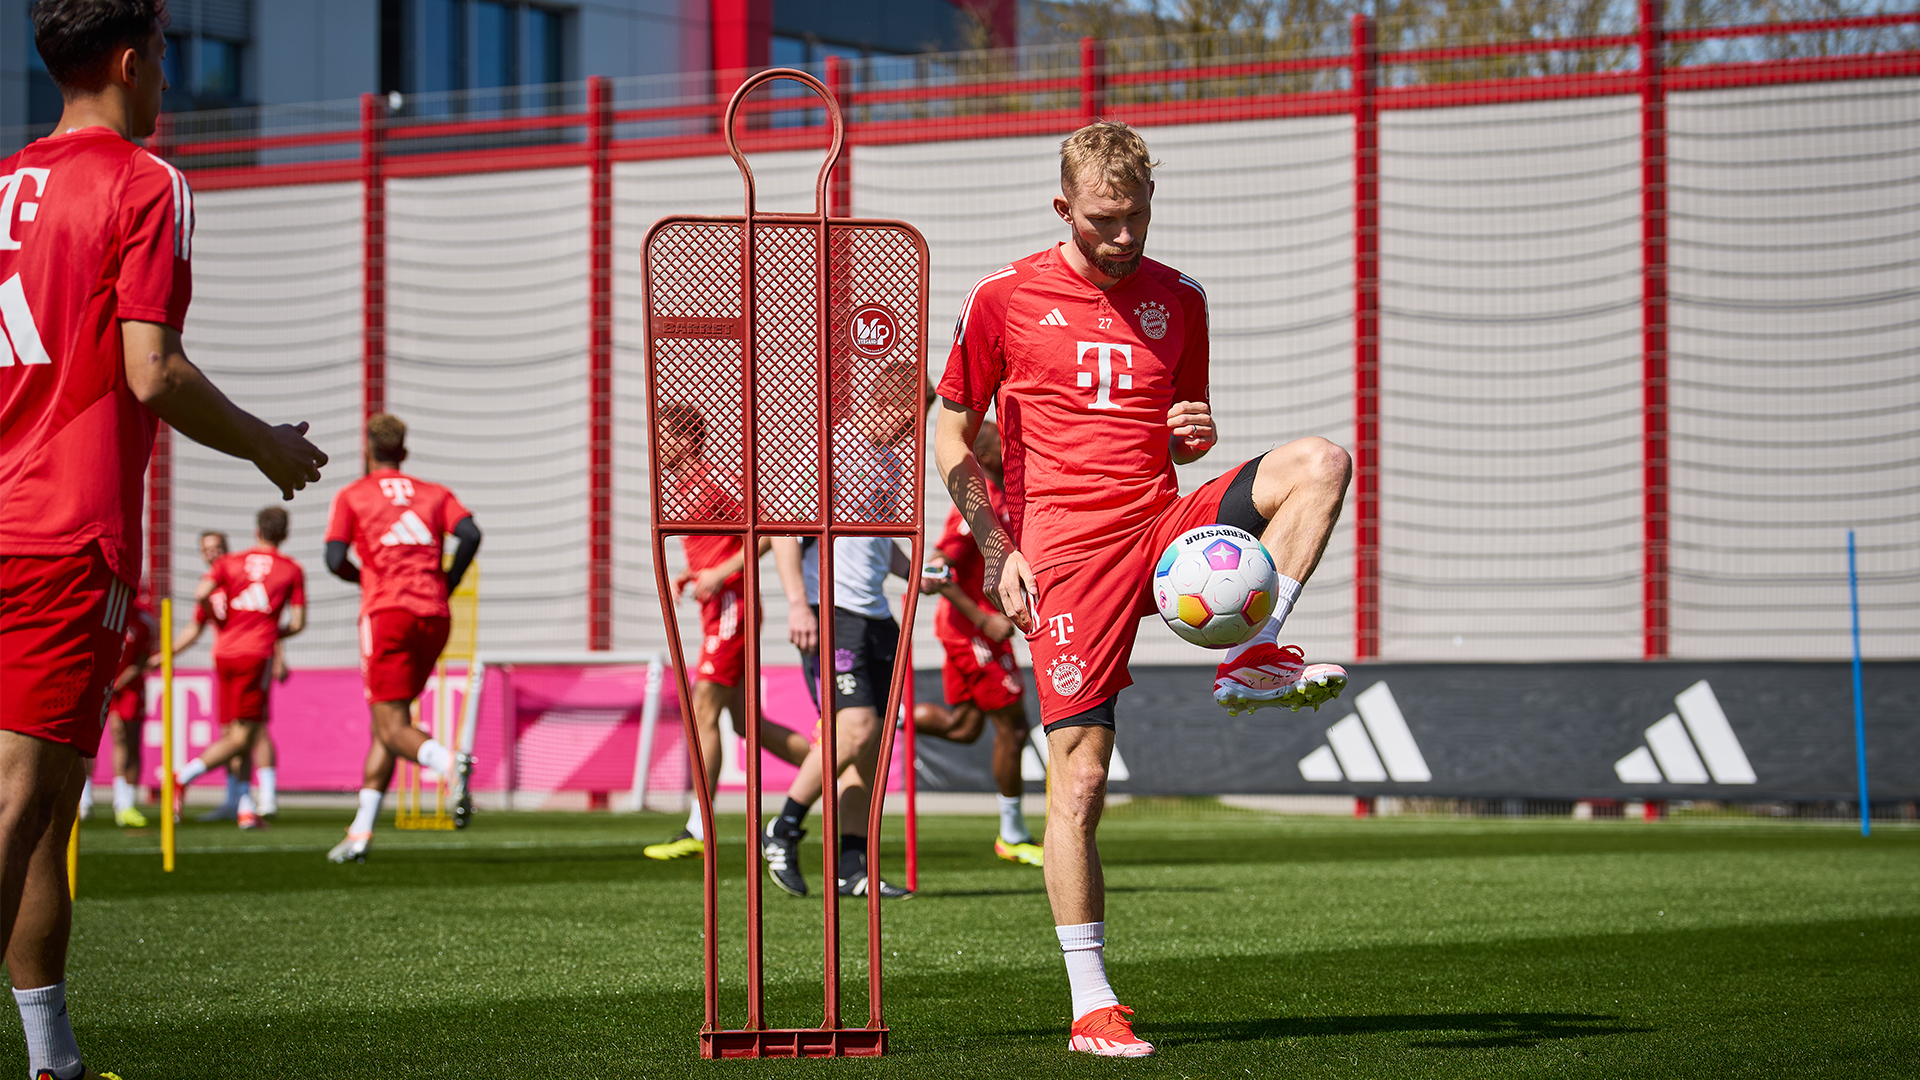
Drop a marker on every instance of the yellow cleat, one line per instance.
(1028, 853)
(679, 847)
(130, 818)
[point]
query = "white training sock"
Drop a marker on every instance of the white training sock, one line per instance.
(369, 809)
(246, 803)
(693, 824)
(435, 755)
(1085, 948)
(1013, 823)
(191, 771)
(1284, 596)
(122, 794)
(86, 796)
(263, 778)
(50, 1045)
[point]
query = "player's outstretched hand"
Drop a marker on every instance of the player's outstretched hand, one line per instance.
(288, 459)
(935, 576)
(706, 584)
(1014, 584)
(1193, 432)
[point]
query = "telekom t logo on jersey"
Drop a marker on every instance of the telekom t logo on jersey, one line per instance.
(397, 489)
(1104, 352)
(23, 336)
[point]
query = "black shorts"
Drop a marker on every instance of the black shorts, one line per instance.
(863, 651)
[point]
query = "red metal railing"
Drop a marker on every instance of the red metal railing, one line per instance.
(1052, 102)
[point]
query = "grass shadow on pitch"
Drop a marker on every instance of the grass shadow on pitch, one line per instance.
(1451, 1031)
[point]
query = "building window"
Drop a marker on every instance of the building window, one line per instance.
(434, 46)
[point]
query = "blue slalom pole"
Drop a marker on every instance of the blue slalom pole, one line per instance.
(1859, 697)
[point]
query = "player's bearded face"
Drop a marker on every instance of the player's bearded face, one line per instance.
(1109, 227)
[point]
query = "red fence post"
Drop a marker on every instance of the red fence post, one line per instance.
(1093, 80)
(840, 183)
(1366, 344)
(600, 370)
(373, 269)
(1653, 318)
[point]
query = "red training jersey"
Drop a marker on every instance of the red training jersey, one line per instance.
(397, 524)
(259, 586)
(93, 231)
(1082, 378)
(969, 570)
(708, 499)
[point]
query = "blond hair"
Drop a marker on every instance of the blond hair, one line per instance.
(387, 437)
(1112, 148)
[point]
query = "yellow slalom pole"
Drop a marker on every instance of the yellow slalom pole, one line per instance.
(166, 735)
(73, 861)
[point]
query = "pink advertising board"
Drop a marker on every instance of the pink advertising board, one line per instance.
(572, 728)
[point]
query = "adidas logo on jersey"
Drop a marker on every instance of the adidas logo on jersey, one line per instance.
(252, 598)
(1054, 318)
(408, 530)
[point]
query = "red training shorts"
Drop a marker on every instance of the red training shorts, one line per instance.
(63, 623)
(129, 706)
(981, 670)
(245, 683)
(1089, 612)
(398, 650)
(723, 648)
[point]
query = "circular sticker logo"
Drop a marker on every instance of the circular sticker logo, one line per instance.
(875, 330)
(1066, 678)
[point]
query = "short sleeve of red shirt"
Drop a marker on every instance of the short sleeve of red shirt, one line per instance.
(957, 541)
(451, 512)
(155, 281)
(340, 519)
(1190, 384)
(978, 360)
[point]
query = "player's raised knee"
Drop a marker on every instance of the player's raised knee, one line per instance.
(1312, 461)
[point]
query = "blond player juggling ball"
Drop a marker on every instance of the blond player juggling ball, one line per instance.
(1095, 358)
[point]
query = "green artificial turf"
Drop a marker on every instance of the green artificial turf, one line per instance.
(544, 945)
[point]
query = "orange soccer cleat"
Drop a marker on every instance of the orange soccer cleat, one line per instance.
(1109, 1034)
(1275, 675)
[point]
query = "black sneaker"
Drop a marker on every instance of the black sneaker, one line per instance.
(462, 790)
(857, 886)
(782, 852)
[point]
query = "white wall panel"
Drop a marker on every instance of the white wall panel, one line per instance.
(1509, 401)
(1795, 374)
(275, 322)
(487, 341)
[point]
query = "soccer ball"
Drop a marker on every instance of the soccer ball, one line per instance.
(1215, 586)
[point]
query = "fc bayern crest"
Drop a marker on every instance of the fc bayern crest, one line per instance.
(1153, 319)
(875, 331)
(1066, 676)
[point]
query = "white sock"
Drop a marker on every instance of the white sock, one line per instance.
(1085, 948)
(693, 824)
(435, 755)
(369, 809)
(1013, 823)
(246, 803)
(192, 771)
(122, 794)
(1284, 596)
(86, 796)
(265, 780)
(50, 1045)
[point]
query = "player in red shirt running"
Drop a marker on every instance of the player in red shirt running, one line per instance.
(127, 718)
(96, 238)
(211, 610)
(1096, 358)
(258, 584)
(981, 678)
(715, 576)
(397, 524)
